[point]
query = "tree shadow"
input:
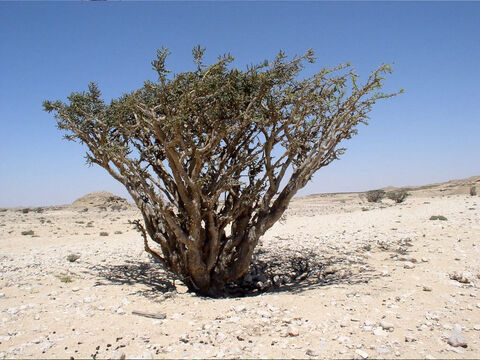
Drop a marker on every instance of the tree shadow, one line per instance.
(272, 270)
(295, 271)
(150, 274)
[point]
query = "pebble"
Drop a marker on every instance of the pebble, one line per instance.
(379, 332)
(361, 354)
(408, 266)
(427, 288)
(456, 339)
(410, 339)
(293, 331)
(2, 295)
(46, 345)
(476, 327)
(386, 325)
(464, 278)
(75, 289)
(311, 352)
(183, 338)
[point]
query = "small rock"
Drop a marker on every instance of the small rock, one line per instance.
(456, 338)
(464, 278)
(424, 260)
(457, 328)
(408, 266)
(36, 317)
(120, 311)
(2, 295)
(277, 281)
(379, 332)
(427, 288)
(293, 331)
(410, 339)
(311, 352)
(361, 354)
(75, 289)
(476, 327)
(184, 339)
(386, 325)
(46, 345)
(369, 323)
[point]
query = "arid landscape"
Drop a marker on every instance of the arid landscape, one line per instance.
(338, 277)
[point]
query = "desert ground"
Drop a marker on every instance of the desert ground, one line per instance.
(341, 278)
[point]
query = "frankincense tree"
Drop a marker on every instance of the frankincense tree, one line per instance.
(212, 157)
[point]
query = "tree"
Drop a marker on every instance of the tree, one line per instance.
(212, 157)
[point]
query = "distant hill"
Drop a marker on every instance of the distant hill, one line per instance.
(102, 200)
(452, 187)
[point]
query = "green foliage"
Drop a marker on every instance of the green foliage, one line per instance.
(438, 217)
(375, 195)
(210, 149)
(398, 196)
(473, 191)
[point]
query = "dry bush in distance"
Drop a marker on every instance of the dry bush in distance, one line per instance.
(375, 195)
(398, 196)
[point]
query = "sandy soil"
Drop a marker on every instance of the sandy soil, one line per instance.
(363, 280)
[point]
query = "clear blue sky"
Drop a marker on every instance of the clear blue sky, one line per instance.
(49, 49)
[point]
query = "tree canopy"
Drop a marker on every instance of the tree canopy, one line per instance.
(213, 156)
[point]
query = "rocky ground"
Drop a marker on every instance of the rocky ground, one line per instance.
(341, 278)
